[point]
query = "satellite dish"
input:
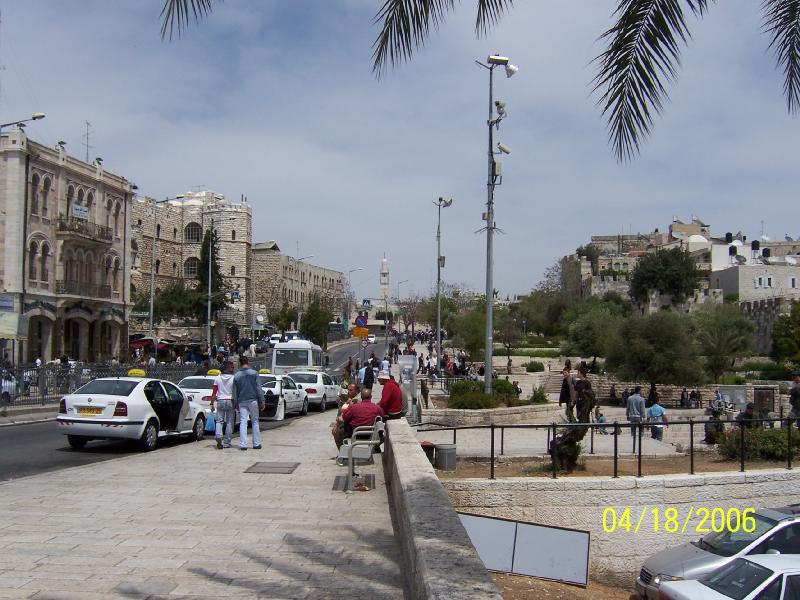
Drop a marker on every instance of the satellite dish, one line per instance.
(741, 259)
(791, 260)
(259, 318)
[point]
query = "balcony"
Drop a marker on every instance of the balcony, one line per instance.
(83, 230)
(84, 290)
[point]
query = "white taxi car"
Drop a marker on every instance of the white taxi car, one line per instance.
(133, 407)
(320, 389)
(282, 396)
(199, 388)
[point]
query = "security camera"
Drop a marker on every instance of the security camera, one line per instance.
(503, 148)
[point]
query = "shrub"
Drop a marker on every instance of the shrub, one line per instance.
(732, 380)
(538, 352)
(539, 396)
(534, 366)
(503, 388)
(473, 401)
(459, 388)
(766, 444)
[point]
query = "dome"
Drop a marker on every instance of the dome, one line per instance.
(697, 239)
(733, 243)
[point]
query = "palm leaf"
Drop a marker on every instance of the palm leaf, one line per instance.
(489, 13)
(406, 26)
(643, 51)
(782, 21)
(176, 14)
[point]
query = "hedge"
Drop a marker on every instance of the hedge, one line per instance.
(766, 444)
(534, 366)
(473, 401)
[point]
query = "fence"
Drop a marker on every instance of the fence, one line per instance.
(552, 432)
(29, 386)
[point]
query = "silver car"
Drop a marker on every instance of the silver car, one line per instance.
(777, 531)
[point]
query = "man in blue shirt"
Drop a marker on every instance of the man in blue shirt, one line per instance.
(635, 410)
(657, 417)
(249, 397)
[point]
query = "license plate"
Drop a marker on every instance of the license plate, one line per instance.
(90, 410)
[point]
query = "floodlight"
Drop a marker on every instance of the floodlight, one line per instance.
(37, 115)
(503, 148)
(497, 60)
(447, 202)
(511, 69)
(500, 106)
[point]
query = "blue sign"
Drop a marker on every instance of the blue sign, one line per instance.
(367, 303)
(361, 321)
(234, 294)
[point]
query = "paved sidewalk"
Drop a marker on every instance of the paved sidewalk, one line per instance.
(187, 522)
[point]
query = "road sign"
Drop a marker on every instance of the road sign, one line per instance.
(234, 294)
(360, 332)
(364, 343)
(366, 303)
(361, 321)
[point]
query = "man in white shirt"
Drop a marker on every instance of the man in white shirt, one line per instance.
(222, 394)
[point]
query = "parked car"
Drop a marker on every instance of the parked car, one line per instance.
(198, 388)
(9, 390)
(275, 338)
(134, 407)
(262, 346)
(371, 338)
(764, 577)
(282, 397)
(777, 530)
(320, 389)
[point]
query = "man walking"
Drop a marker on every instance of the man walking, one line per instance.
(249, 397)
(657, 417)
(369, 377)
(222, 395)
(635, 410)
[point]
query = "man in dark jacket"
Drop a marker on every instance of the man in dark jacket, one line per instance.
(249, 397)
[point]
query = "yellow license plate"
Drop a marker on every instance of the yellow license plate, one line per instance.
(90, 410)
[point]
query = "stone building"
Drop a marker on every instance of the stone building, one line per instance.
(178, 226)
(64, 269)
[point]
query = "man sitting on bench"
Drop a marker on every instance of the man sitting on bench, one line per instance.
(362, 414)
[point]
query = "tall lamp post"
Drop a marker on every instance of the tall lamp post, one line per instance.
(494, 178)
(349, 292)
(34, 117)
(441, 203)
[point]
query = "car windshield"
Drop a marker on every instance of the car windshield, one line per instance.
(197, 383)
(304, 377)
(728, 543)
(288, 358)
(266, 380)
(109, 387)
(270, 384)
(737, 579)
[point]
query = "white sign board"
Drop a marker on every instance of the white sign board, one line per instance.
(80, 212)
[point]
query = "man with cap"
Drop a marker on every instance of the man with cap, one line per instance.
(391, 396)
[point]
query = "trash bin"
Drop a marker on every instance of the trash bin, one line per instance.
(445, 457)
(428, 448)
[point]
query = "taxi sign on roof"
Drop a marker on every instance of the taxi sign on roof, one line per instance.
(136, 373)
(213, 372)
(264, 371)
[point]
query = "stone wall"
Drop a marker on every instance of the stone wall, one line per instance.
(533, 413)
(764, 314)
(579, 503)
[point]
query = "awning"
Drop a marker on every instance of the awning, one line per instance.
(13, 326)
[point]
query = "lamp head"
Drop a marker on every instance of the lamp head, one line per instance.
(511, 69)
(447, 202)
(503, 148)
(37, 115)
(500, 106)
(495, 59)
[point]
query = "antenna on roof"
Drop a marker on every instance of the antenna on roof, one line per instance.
(86, 138)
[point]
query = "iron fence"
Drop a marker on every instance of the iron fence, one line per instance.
(616, 427)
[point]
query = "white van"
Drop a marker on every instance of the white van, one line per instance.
(295, 355)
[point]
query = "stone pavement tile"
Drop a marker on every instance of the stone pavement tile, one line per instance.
(10, 581)
(72, 585)
(81, 595)
(13, 593)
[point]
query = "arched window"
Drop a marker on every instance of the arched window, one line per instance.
(116, 274)
(233, 235)
(70, 200)
(106, 275)
(32, 252)
(133, 290)
(44, 274)
(45, 195)
(109, 208)
(193, 233)
(90, 204)
(117, 210)
(233, 271)
(158, 231)
(174, 233)
(158, 266)
(80, 197)
(191, 267)
(90, 268)
(34, 194)
(134, 253)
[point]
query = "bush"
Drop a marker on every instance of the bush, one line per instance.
(473, 401)
(459, 388)
(501, 389)
(539, 396)
(766, 444)
(538, 352)
(732, 380)
(534, 366)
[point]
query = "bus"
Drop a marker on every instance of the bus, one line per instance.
(295, 355)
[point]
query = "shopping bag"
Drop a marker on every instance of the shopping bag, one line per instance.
(211, 422)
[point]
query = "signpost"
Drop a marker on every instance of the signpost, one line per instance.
(366, 303)
(364, 343)
(361, 321)
(360, 332)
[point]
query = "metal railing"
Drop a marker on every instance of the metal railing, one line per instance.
(79, 288)
(788, 424)
(85, 229)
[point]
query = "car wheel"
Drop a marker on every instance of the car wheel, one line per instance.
(149, 437)
(323, 406)
(5, 399)
(304, 410)
(199, 429)
(280, 412)
(76, 441)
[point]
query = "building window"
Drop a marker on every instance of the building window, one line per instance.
(34, 195)
(106, 274)
(793, 282)
(116, 274)
(191, 267)
(90, 203)
(32, 252)
(174, 233)
(233, 271)
(70, 199)
(233, 235)
(158, 266)
(44, 275)
(193, 233)
(760, 282)
(769, 282)
(117, 211)
(158, 231)
(174, 269)
(139, 222)
(45, 195)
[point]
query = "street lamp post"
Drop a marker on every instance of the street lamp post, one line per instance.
(439, 264)
(349, 293)
(34, 117)
(494, 174)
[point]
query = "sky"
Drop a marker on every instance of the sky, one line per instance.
(276, 100)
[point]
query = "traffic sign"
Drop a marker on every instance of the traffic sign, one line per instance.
(360, 332)
(366, 303)
(364, 343)
(361, 321)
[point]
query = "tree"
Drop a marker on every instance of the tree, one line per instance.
(590, 333)
(786, 336)
(508, 333)
(410, 309)
(670, 272)
(284, 318)
(469, 330)
(314, 324)
(643, 49)
(449, 310)
(657, 348)
(175, 301)
(218, 287)
(722, 333)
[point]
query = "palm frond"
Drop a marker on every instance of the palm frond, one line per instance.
(406, 26)
(642, 52)
(489, 13)
(176, 14)
(782, 21)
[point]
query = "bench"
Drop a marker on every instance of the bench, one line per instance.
(361, 447)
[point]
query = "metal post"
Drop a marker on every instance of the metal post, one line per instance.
(591, 440)
(789, 444)
(454, 436)
(491, 451)
(639, 454)
(616, 438)
(691, 446)
(152, 274)
(487, 388)
(552, 452)
(502, 439)
(741, 446)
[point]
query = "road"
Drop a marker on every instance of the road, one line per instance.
(34, 448)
